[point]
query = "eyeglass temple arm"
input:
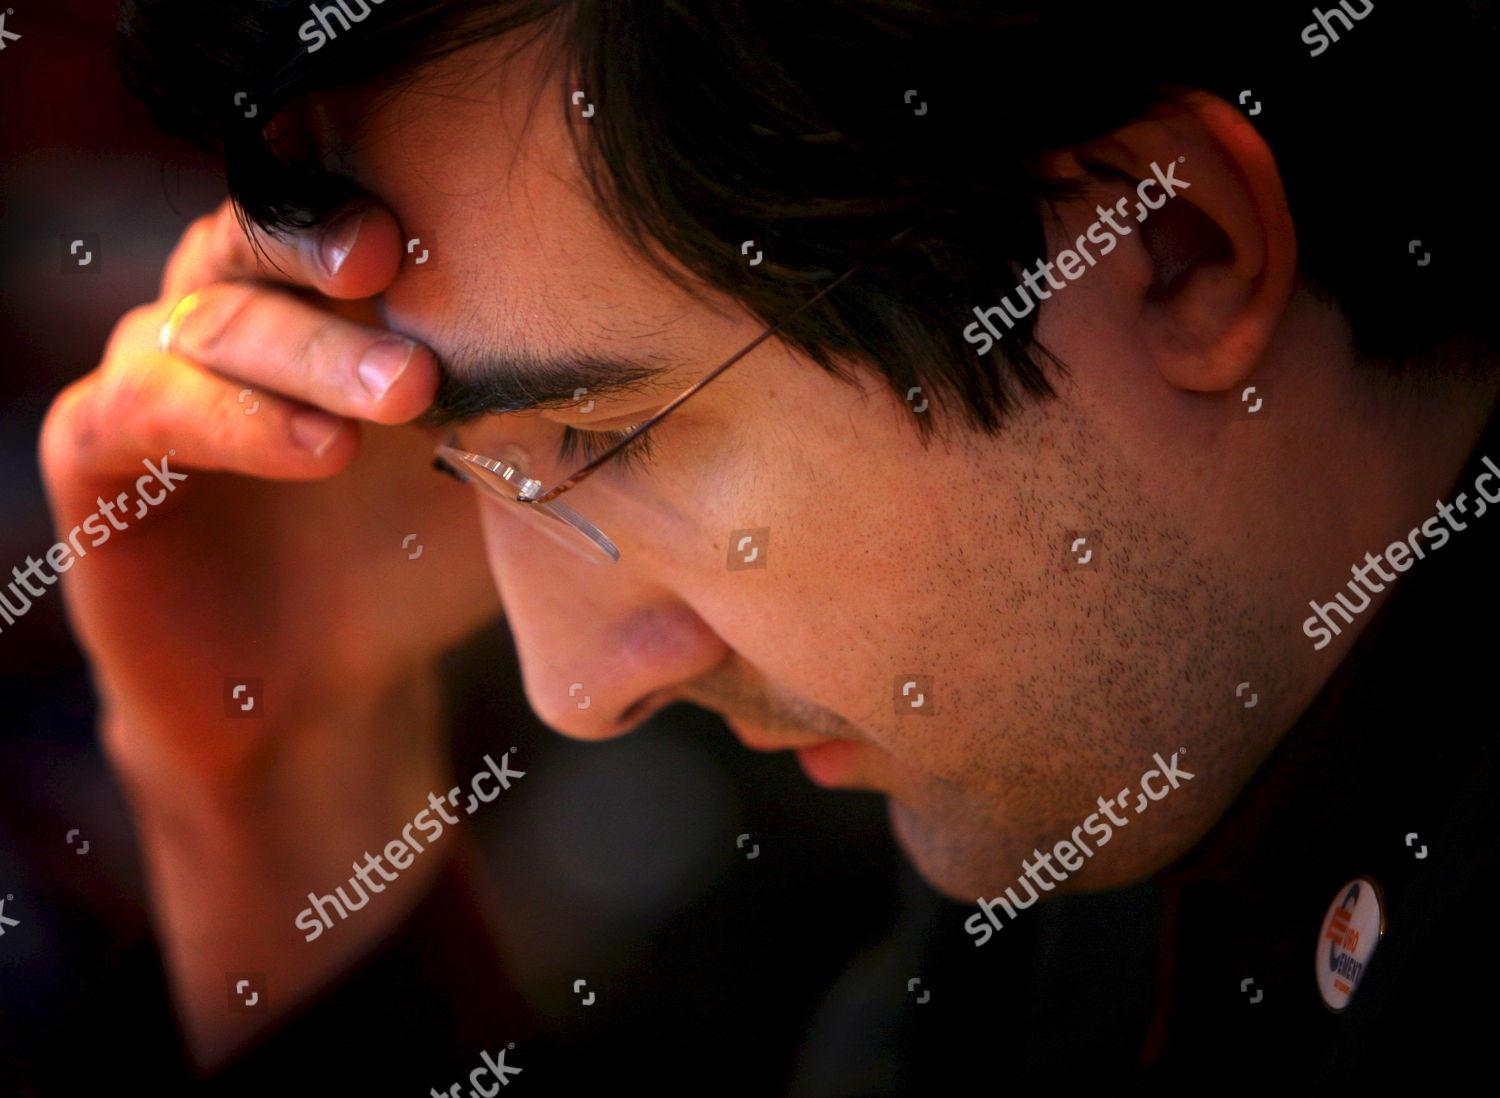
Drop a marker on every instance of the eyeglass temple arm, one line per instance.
(646, 426)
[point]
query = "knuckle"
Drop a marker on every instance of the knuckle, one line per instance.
(74, 425)
(78, 432)
(138, 325)
(192, 243)
(62, 435)
(217, 320)
(208, 243)
(123, 390)
(224, 418)
(132, 392)
(201, 232)
(139, 315)
(313, 349)
(229, 233)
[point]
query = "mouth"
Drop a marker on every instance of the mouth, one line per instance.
(826, 762)
(830, 764)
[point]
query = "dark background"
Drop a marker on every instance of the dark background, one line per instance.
(613, 860)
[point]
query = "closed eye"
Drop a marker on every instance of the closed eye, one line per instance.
(588, 445)
(584, 446)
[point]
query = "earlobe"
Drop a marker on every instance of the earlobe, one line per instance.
(1212, 219)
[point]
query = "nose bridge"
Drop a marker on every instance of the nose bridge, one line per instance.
(598, 644)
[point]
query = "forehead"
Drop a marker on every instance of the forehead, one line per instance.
(474, 157)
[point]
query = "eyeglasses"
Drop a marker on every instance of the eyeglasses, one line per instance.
(505, 479)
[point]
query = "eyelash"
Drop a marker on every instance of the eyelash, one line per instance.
(590, 444)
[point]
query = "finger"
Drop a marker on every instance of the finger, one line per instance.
(103, 426)
(355, 255)
(271, 340)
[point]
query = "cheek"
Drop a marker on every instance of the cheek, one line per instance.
(511, 547)
(530, 565)
(919, 593)
(842, 579)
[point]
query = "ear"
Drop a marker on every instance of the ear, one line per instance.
(1221, 252)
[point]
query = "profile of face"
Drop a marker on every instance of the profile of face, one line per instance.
(1050, 669)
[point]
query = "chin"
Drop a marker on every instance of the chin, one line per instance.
(962, 863)
(965, 860)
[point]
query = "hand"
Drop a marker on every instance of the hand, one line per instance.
(282, 556)
(238, 573)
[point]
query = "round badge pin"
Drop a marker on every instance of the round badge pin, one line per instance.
(1351, 931)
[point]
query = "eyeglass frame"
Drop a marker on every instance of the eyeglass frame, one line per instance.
(570, 516)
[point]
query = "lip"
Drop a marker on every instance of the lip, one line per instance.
(780, 745)
(829, 764)
(756, 744)
(826, 762)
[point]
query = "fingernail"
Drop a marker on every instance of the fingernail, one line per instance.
(168, 333)
(315, 431)
(383, 364)
(338, 240)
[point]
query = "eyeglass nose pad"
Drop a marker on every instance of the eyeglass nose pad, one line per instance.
(548, 518)
(526, 469)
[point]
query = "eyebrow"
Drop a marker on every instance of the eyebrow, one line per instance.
(492, 382)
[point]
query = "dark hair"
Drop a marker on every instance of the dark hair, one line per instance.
(790, 122)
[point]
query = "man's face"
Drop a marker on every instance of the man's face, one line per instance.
(1046, 683)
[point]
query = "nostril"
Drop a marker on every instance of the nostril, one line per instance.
(641, 709)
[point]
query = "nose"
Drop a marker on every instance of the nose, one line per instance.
(601, 646)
